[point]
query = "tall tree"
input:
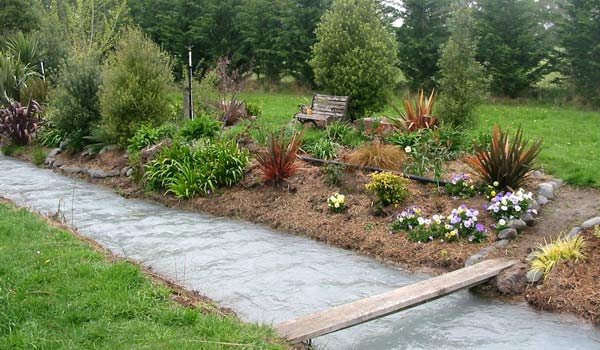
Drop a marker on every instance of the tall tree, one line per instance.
(580, 34)
(420, 37)
(355, 55)
(18, 16)
(511, 44)
(463, 85)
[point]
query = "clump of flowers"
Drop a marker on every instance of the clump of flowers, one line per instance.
(461, 185)
(463, 223)
(492, 190)
(407, 220)
(389, 188)
(337, 203)
(510, 205)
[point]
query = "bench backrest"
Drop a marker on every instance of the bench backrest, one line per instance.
(332, 106)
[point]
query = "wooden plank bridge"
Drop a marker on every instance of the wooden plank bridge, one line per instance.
(368, 309)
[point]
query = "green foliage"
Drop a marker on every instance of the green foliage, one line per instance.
(75, 104)
(14, 76)
(333, 174)
(389, 188)
(253, 109)
(202, 126)
(98, 140)
(420, 37)
(60, 293)
(147, 136)
(49, 136)
(417, 115)
(12, 150)
(563, 248)
(463, 84)
(508, 161)
(18, 16)
(580, 34)
(135, 86)
(355, 55)
(38, 156)
(344, 134)
(511, 44)
(187, 172)
(323, 149)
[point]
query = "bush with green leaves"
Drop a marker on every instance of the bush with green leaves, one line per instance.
(202, 126)
(135, 86)
(333, 174)
(75, 104)
(188, 171)
(323, 149)
(49, 136)
(389, 188)
(344, 134)
(148, 135)
(253, 109)
(38, 156)
(355, 55)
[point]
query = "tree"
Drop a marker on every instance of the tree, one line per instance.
(511, 44)
(462, 84)
(135, 86)
(18, 16)
(355, 55)
(580, 34)
(420, 37)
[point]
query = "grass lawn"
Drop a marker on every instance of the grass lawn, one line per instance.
(571, 136)
(56, 292)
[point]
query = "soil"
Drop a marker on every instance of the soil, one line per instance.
(299, 206)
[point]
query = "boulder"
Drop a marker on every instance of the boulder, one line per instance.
(538, 174)
(54, 152)
(574, 232)
(71, 169)
(512, 280)
(546, 189)
(517, 224)
(101, 174)
(507, 234)
(591, 222)
(534, 205)
(555, 185)
(474, 259)
(528, 218)
(534, 276)
(129, 172)
(502, 243)
(49, 162)
(542, 200)
(57, 163)
(124, 171)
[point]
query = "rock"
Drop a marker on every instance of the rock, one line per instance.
(49, 161)
(71, 169)
(528, 218)
(538, 173)
(57, 164)
(517, 224)
(555, 185)
(54, 152)
(512, 280)
(502, 243)
(129, 172)
(546, 189)
(531, 255)
(124, 171)
(541, 200)
(474, 259)
(591, 222)
(560, 182)
(534, 276)
(507, 233)
(63, 145)
(108, 149)
(485, 251)
(101, 174)
(574, 232)
(534, 205)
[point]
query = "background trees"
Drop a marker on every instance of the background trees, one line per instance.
(355, 55)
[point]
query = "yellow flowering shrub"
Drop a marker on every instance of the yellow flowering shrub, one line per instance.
(389, 188)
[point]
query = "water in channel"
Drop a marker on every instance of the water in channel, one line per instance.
(268, 276)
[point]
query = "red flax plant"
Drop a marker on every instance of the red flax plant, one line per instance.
(279, 161)
(509, 159)
(18, 122)
(418, 116)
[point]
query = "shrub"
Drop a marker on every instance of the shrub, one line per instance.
(389, 188)
(355, 55)
(508, 161)
(12, 150)
(20, 123)
(564, 248)
(75, 105)
(344, 134)
(376, 154)
(253, 109)
(323, 149)
(333, 174)
(461, 185)
(278, 161)
(147, 136)
(202, 126)
(38, 156)
(418, 117)
(48, 135)
(135, 86)
(97, 141)
(337, 203)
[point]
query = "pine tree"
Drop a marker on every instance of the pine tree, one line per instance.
(355, 55)
(511, 44)
(580, 34)
(463, 85)
(420, 37)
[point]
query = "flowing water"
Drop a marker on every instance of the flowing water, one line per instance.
(268, 277)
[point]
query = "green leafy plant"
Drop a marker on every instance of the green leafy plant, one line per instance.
(48, 136)
(563, 248)
(253, 109)
(97, 141)
(337, 203)
(323, 149)
(508, 161)
(19, 123)
(389, 188)
(202, 126)
(419, 116)
(279, 161)
(38, 156)
(344, 134)
(333, 174)
(148, 135)
(379, 155)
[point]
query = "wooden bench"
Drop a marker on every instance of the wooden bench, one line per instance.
(324, 108)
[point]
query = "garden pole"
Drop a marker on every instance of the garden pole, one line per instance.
(190, 103)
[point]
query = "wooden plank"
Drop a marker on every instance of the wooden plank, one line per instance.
(364, 310)
(332, 97)
(318, 117)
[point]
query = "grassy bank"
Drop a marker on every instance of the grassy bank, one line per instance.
(571, 137)
(57, 292)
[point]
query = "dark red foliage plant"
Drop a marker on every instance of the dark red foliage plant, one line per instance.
(279, 160)
(20, 123)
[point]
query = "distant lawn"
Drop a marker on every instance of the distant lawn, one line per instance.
(571, 137)
(56, 292)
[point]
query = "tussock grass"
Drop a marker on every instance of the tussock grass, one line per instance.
(563, 248)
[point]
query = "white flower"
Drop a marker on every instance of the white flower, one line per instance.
(517, 208)
(502, 222)
(496, 184)
(504, 207)
(407, 149)
(337, 205)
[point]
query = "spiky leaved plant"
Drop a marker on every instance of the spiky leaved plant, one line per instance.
(563, 248)
(419, 116)
(19, 123)
(508, 161)
(279, 160)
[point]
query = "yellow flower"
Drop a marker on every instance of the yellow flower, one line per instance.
(493, 193)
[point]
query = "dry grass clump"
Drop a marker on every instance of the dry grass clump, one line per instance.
(378, 155)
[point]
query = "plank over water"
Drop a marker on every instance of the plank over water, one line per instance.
(364, 310)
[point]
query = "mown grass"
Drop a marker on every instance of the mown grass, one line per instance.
(57, 292)
(571, 137)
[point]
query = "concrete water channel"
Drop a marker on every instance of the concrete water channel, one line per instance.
(269, 277)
